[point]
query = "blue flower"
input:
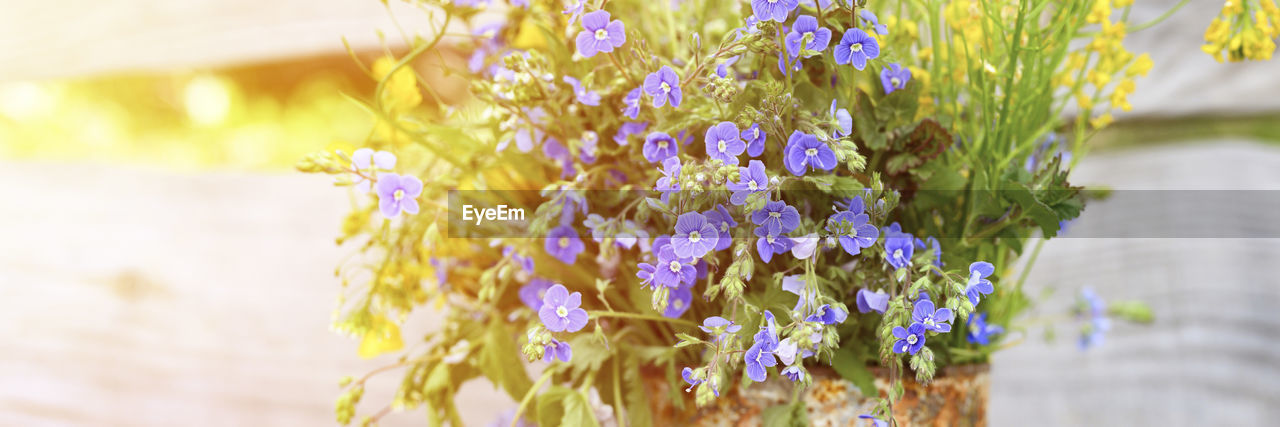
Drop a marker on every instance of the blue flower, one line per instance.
(670, 180)
(645, 273)
(768, 332)
(844, 121)
(894, 77)
(586, 97)
(673, 271)
(532, 293)
(722, 70)
(664, 86)
(773, 10)
(777, 217)
(631, 104)
(574, 10)
(557, 350)
(875, 22)
(827, 315)
(796, 65)
(752, 179)
(978, 283)
(659, 146)
(770, 244)
(755, 139)
(719, 327)
(804, 151)
(933, 320)
(856, 47)
(679, 301)
(853, 231)
(898, 250)
(910, 339)
(757, 359)
(792, 373)
(980, 332)
(561, 312)
(694, 236)
(875, 422)
(688, 375)
(937, 249)
(868, 301)
(599, 34)
(563, 244)
(627, 129)
(724, 144)
(557, 152)
(1094, 309)
(723, 221)
(806, 34)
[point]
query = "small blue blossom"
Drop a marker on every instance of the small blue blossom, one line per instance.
(719, 327)
(751, 179)
(574, 9)
(875, 422)
(910, 340)
(980, 332)
(722, 70)
(397, 193)
(532, 293)
(561, 311)
(871, 18)
(898, 250)
(670, 180)
(689, 377)
(855, 48)
(627, 129)
(796, 64)
(827, 315)
(757, 359)
(673, 271)
(557, 350)
(584, 96)
(694, 236)
(777, 217)
(770, 244)
(659, 146)
(599, 34)
(631, 103)
(933, 320)
(645, 273)
(768, 332)
(804, 151)
(557, 152)
(723, 221)
(590, 147)
(978, 284)
(755, 138)
(679, 301)
(807, 35)
(931, 242)
(868, 301)
(853, 230)
(894, 77)
(664, 86)
(1094, 310)
(793, 373)
(724, 144)
(844, 121)
(563, 244)
(773, 10)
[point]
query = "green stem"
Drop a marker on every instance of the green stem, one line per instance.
(638, 316)
(528, 396)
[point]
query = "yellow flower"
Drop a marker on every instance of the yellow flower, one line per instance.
(1099, 79)
(1232, 8)
(1123, 3)
(1140, 66)
(383, 337)
(1085, 102)
(1100, 12)
(1120, 97)
(925, 54)
(1101, 121)
(1218, 32)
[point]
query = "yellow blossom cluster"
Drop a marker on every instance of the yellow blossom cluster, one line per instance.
(1104, 65)
(1244, 30)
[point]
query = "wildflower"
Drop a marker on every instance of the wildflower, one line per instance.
(599, 34)
(557, 350)
(978, 284)
(768, 332)
(722, 70)
(827, 315)
(629, 234)
(694, 237)
(557, 152)
(933, 320)
(532, 293)
(561, 311)
(868, 301)
(805, 246)
(777, 217)
(980, 332)
(673, 271)
(723, 143)
(894, 77)
(786, 351)
(796, 65)
(752, 179)
(875, 422)
(871, 18)
(664, 86)
(910, 340)
(645, 273)
(398, 194)
(756, 359)
(679, 301)
(773, 10)
(586, 97)
(690, 377)
(631, 104)
(796, 285)
(670, 181)
(719, 327)
(363, 158)
(769, 244)
(574, 9)
(853, 231)
(563, 244)
(931, 242)
(792, 373)
(898, 250)
(755, 139)
(1094, 309)
(856, 47)
(659, 146)
(723, 221)
(627, 129)
(807, 35)
(804, 151)
(844, 121)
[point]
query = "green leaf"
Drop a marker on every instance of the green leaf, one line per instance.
(577, 412)
(588, 354)
(851, 364)
(785, 415)
(550, 405)
(1046, 218)
(437, 380)
(637, 396)
(500, 360)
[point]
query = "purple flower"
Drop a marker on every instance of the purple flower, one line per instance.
(856, 47)
(645, 273)
(722, 221)
(688, 375)
(599, 34)
(937, 249)
(664, 86)
(694, 236)
(804, 151)
(827, 315)
(563, 244)
(768, 333)
(679, 301)
(364, 158)
(574, 10)
(659, 146)
(724, 144)
(586, 97)
(792, 373)
(558, 350)
(933, 320)
(561, 312)
(853, 231)
(796, 64)
(755, 139)
(894, 77)
(722, 70)
(1094, 308)
(533, 293)
(627, 129)
(898, 250)
(770, 244)
(631, 104)
(673, 271)
(875, 422)
(777, 217)
(670, 180)
(910, 339)
(773, 10)
(875, 22)
(844, 121)
(752, 179)
(868, 301)
(978, 284)
(806, 34)
(398, 194)
(980, 332)
(719, 327)
(757, 358)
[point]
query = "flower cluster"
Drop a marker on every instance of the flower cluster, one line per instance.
(1245, 29)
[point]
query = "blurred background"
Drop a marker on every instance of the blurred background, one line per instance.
(160, 262)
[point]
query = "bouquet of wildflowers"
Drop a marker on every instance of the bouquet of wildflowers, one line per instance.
(716, 194)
